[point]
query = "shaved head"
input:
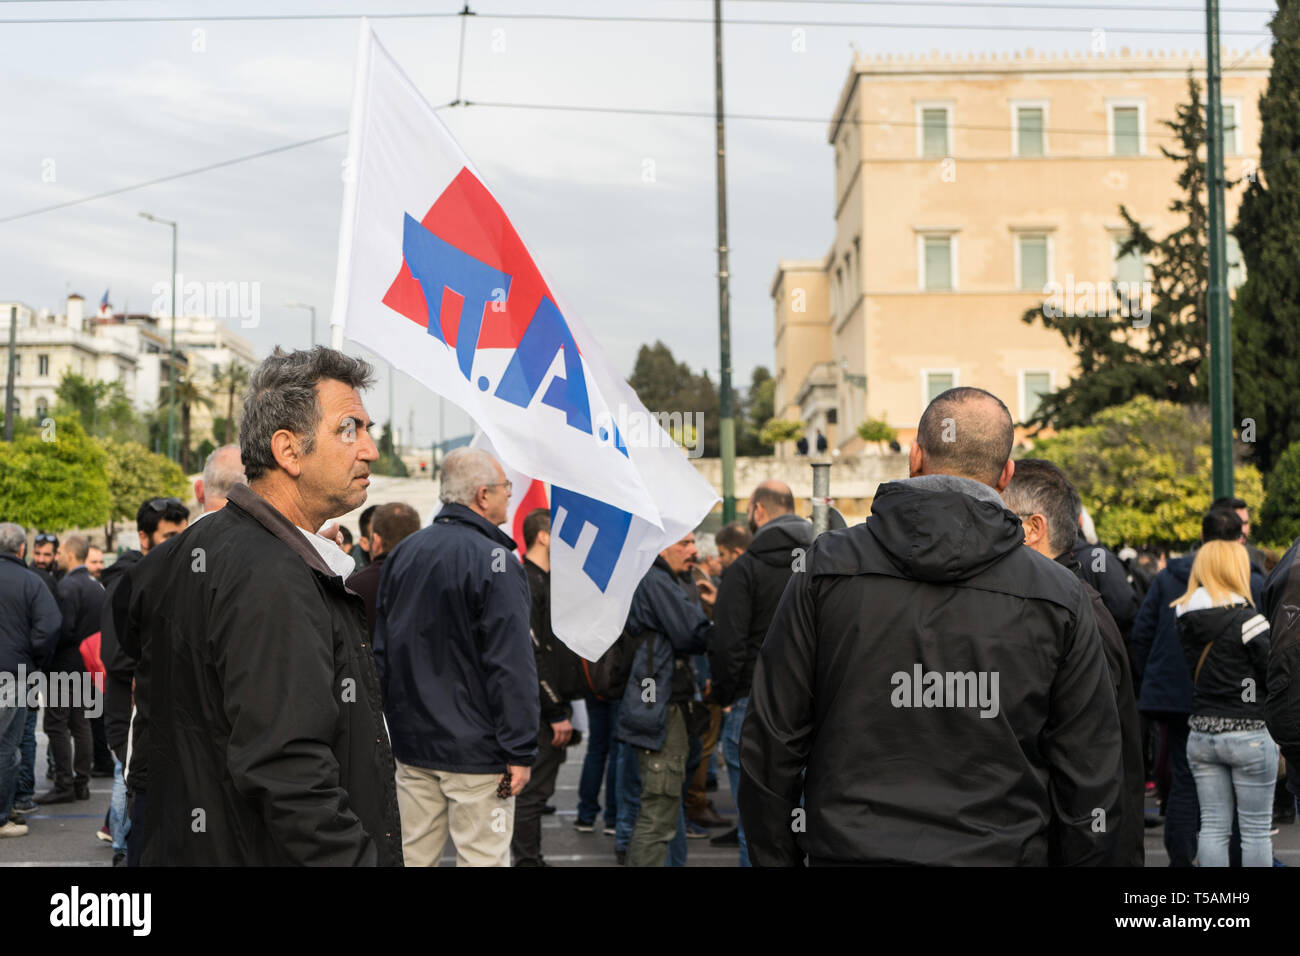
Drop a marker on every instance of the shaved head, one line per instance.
(966, 432)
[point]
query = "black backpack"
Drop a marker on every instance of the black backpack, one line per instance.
(606, 677)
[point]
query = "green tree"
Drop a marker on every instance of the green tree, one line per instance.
(1279, 519)
(135, 474)
(877, 430)
(388, 463)
(1143, 471)
(782, 429)
(757, 410)
(102, 408)
(1117, 358)
(231, 379)
(52, 477)
(188, 396)
(1266, 313)
(665, 385)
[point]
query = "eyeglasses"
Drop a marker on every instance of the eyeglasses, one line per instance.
(497, 484)
(44, 538)
(162, 504)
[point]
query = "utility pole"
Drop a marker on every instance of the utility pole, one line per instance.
(171, 354)
(1220, 318)
(9, 377)
(728, 423)
(310, 308)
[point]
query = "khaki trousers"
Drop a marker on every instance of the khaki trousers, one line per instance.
(435, 803)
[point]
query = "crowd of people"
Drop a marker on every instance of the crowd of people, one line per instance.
(967, 677)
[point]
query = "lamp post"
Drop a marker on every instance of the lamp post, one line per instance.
(171, 354)
(312, 310)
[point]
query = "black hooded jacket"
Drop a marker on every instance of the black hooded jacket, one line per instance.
(747, 598)
(1229, 647)
(945, 690)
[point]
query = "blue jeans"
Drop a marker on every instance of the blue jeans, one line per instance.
(118, 822)
(27, 770)
(1241, 764)
(731, 724)
(629, 794)
(601, 761)
(12, 722)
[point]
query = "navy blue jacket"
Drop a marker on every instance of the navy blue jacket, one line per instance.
(1157, 652)
(679, 629)
(453, 649)
(29, 618)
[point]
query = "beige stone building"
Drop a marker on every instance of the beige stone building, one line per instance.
(968, 190)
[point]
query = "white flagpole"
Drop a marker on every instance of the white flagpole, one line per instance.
(351, 165)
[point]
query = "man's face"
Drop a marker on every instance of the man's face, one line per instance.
(1244, 515)
(727, 556)
(95, 561)
(336, 474)
(65, 558)
(43, 555)
(496, 498)
(681, 556)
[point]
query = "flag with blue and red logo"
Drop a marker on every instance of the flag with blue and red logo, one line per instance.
(434, 278)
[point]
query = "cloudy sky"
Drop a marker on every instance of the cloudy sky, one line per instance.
(97, 106)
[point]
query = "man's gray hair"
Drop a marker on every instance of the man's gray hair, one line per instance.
(12, 538)
(464, 472)
(282, 394)
(1040, 487)
(706, 545)
(220, 476)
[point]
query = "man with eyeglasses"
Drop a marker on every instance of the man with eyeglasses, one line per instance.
(457, 672)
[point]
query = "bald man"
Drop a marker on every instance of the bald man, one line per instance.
(748, 597)
(931, 691)
(222, 471)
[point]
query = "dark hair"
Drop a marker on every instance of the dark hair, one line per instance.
(1040, 487)
(773, 500)
(347, 535)
(1229, 502)
(394, 522)
(734, 536)
(537, 521)
(1221, 524)
(363, 522)
(160, 509)
(282, 394)
(77, 545)
(961, 435)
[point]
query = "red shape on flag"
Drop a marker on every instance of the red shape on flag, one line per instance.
(534, 498)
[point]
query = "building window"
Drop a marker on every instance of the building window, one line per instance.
(1130, 269)
(1033, 260)
(42, 407)
(1126, 129)
(1230, 135)
(937, 256)
(1033, 386)
(1236, 267)
(935, 123)
(42, 365)
(1030, 131)
(937, 382)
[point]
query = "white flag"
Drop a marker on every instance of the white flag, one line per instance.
(433, 277)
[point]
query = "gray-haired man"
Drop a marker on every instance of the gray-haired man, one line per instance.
(457, 670)
(257, 704)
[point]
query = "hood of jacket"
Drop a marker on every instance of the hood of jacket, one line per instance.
(776, 539)
(943, 527)
(125, 562)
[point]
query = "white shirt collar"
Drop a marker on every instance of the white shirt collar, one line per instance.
(335, 557)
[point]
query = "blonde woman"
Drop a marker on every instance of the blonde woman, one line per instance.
(1231, 755)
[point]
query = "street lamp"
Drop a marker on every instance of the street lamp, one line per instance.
(171, 355)
(312, 309)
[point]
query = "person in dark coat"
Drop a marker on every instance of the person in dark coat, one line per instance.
(390, 525)
(256, 691)
(456, 665)
(751, 588)
(29, 630)
(1043, 498)
(67, 721)
(1165, 692)
(1105, 573)
(927, 667)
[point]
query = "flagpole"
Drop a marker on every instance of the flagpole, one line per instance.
(728, 423)
(350, 166)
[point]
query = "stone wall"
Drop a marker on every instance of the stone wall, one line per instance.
(854, 479)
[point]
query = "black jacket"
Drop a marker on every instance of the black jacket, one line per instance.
(81, 598)
(1102, 569)
(1282, 606)
(1234, 643)
(557, 666)
(29, 618)
(451, 641)
(1132, 847)
(945, 690)
(751, 589)
(365, 581)
(258, 697)
(119, 665)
